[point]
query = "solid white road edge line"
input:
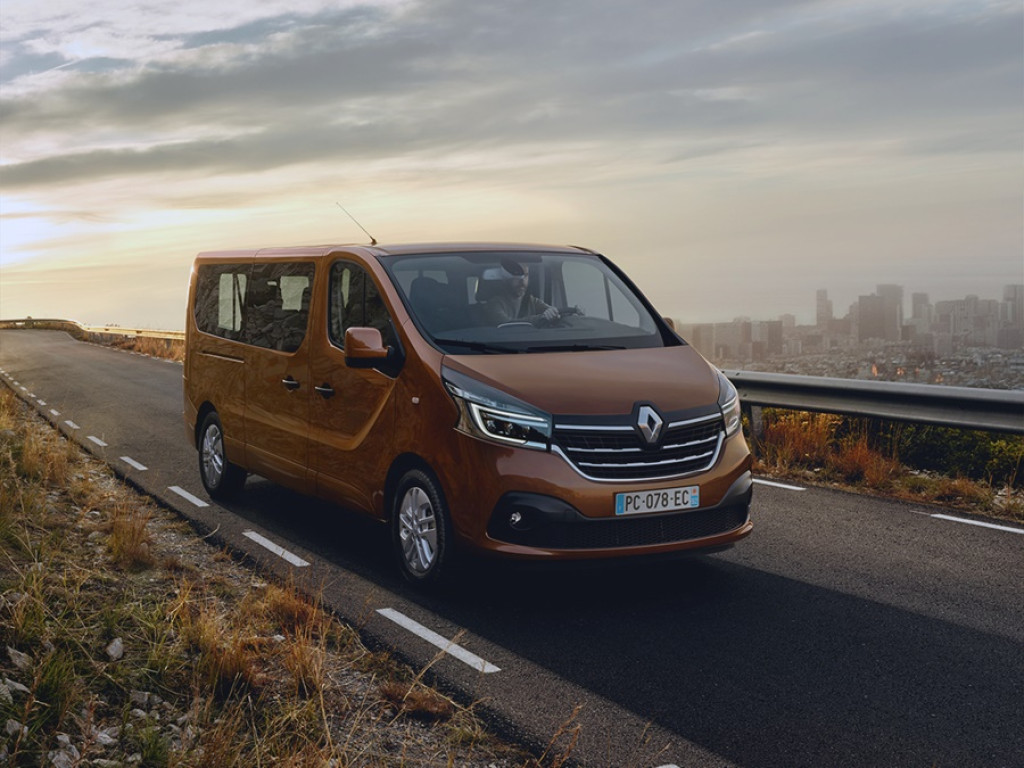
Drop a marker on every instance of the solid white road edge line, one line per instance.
(438, 641)
(188, 496)
(779, 485)
(96, 440)
(133, 463)
(979, 524)
(281, 552)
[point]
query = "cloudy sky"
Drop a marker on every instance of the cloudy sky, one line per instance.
(731, 156)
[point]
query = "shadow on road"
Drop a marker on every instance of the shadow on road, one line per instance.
(757, 668)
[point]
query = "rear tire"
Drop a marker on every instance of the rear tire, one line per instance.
(220, 477)
(421, 529)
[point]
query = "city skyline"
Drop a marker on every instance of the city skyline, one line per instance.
(808, 314)
(730, 157)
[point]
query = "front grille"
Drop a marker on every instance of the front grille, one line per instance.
(617, 452)
(614, 533)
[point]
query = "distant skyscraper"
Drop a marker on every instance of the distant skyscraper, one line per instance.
(1013, 302)
(824, 314)
(921, 307)
(892, 308)
(1011, 316)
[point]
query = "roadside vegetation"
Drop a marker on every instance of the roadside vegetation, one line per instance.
(168, 349)
(125, 640)
(976, 472)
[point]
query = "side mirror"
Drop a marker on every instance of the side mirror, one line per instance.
(364, 348)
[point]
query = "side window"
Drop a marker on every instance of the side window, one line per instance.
(589, 289)
(220, 299)
(355, 302)
(277, 309)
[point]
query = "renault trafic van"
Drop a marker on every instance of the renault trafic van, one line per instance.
(517, 400)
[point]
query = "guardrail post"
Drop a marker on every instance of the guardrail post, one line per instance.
(754, 416)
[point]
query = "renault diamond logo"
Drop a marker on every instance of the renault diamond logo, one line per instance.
(649, 422)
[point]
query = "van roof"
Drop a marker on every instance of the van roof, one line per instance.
(400, 249)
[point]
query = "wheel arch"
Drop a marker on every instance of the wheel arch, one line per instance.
(204, 409)
(402, 464)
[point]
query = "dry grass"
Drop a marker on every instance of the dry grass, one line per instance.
(121, 621)
(816, 447)
(166, 349)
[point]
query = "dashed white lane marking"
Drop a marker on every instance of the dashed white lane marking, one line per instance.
(188, 496)
(438, 641)
(779, 485)
(96, 440)
(133, 463)
(281, 552)
(980, 524)
(72, 425)
(42, 404)
(55, 413)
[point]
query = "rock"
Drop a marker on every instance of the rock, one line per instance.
(15, 687)
(13, 727)
(65, 757)
(6, 697)
(107, 737)
(116, 649)
(139, 698)
(21, 661)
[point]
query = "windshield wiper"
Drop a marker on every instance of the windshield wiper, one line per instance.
(571, 348)
(478, 346)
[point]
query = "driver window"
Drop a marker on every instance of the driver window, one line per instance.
(355, 302)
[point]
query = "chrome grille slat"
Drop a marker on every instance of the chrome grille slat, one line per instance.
(647, 463)
(616, 452)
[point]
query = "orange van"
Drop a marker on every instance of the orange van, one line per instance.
(517, 400)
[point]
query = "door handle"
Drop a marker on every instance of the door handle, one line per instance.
(326, 391)
(290, 384)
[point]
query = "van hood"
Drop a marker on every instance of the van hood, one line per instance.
(600, 382)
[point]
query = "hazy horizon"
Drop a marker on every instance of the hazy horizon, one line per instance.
(732, 158)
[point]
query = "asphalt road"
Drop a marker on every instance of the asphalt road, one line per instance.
(845, 631)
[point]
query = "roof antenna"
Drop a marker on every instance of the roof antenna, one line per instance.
(373, 240)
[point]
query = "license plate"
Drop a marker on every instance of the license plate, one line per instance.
(665, 500)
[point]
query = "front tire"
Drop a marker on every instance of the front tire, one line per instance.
(421, 529)
(220, 477)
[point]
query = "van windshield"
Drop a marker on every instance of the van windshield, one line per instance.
(522, 301)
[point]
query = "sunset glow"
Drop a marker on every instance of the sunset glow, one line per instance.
(732, 157)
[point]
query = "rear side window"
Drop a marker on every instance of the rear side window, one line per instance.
(220, 299)
(277, 305)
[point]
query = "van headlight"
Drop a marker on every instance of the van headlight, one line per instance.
(491, 414)
(729, 402)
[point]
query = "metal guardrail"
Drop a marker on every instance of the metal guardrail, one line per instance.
(993, 410)
(78, 330)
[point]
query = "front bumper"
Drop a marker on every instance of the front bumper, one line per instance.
(531, 525)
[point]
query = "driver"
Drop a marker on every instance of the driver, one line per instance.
(510, 302)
